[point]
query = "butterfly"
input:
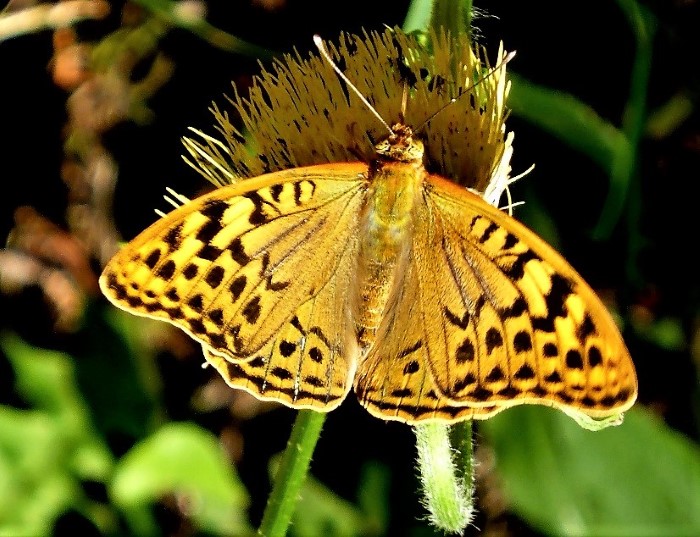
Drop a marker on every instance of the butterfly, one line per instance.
(381, 277)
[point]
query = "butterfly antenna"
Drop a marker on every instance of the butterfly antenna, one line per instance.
(322, 49)
(504, 61)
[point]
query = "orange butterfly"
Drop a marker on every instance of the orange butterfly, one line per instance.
(431, 303)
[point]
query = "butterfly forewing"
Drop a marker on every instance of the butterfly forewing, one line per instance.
(252, 271)
(525, 326)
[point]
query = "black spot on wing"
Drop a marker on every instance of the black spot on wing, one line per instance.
(525, 372)
(214, 276)
(481, 393)
(493, 339)
(276, 191)
(595, 358)
(166, 270)
(586, 328)
(257, 216)
(522, 342)
(574, 360)
(411, 367)
(468, 380)
(553, 377)
(516, 270)
(516, 309)
(252, 309)
(317, 331)
(196, 303)
(461, 322)
(297, 193)
(314, 381)
(410, 350)
(509, 392)
(237, 287)
(495, 375)
(550, 350)
(465, 352)
(208, 231)
(486, 235)
(555, 301)
(190, 271)
(173, 238)
(172, 294)
(281, 373)
(214, 209)
(209, 252)
(197, 326)
(287, 348)
(510, 241)
(217, 315)
(237, 252)
(218, 341)
(316, 355)
(153, 258)
(296, 323)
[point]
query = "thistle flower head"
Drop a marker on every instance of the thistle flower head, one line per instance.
(299, 113)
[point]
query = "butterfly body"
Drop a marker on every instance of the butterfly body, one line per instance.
(431, 303)
(386, 223)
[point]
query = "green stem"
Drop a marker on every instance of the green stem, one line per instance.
(453, 15)
(446, 474)
(461, 440)
(622, 173)
(291, 474)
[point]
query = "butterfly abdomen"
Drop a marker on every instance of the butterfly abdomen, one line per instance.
(387, 236)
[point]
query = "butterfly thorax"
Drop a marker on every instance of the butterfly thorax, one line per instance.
(395, 180)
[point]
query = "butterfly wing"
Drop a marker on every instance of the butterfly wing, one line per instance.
(310, 361)
(257, 272)
(496, 318)
(394, 380)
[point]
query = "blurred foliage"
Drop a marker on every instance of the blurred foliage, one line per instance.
(108, 424)
(554, 471)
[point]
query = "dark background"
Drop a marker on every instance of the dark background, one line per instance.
(583, 48)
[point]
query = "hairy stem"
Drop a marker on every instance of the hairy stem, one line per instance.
(446, 474)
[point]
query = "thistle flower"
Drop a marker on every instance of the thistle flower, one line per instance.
(298, 113)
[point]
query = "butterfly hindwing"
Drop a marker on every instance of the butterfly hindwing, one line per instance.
(310, 361)
(251, 272)
(394, 380)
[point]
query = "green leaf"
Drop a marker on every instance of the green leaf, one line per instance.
(568, 119)
(112, 364)
(185, 460)
(45, 452)
(640, 478)
(45, 378)
(35, 481)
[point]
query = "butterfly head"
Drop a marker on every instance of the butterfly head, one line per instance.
(401, 145)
